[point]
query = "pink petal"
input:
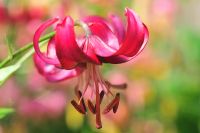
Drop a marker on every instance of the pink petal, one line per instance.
(104, 42)
(118, 27)
(88, 50)
(51, 49)
(135, 36)
(3, 13)
(67, 49)
(50, 105)
(52, 73)
(115, 59)
(95, 19)
(145, 40)
(36, 41)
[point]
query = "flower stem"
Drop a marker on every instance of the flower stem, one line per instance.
(26, 47)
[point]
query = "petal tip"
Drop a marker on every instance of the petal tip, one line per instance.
(127, 10)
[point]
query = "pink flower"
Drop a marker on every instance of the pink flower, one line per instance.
(50, 105)
(20, 15)
(69, 55)
(9, 94)
(3, 15)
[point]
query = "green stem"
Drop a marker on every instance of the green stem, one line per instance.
(26, 47)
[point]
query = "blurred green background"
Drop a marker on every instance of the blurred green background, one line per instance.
(163, 94)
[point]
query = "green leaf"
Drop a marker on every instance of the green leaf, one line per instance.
(14, 61)
(20, 52)
(5, 111)
(7, 71)
(10, 48)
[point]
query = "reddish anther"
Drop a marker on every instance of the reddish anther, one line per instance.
(112, 105)
(115, 107)
(101, 96)
(81, 100)
(117, 86)
(78, 107)
(91, 107)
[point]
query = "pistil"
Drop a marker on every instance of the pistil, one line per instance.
(98, 114)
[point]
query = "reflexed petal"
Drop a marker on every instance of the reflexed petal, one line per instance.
(102, 31)
(104, 42)
(95, 19)
(54, 74)
(36, 41)
(51, 72)
(51, 49)
(136, 38)
(118, 27)
(145, 40)
(67, 49)
(88, 50)
(115, 59)
(115, 25)
(99, 47)
(135, 35)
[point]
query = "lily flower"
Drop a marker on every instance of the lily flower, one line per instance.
(69, 55)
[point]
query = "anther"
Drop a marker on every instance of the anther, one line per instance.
(116, 103)
(101, 96)
(112, 105)
(91, 107)
(81, 101)
(117, 86)
(79, 108)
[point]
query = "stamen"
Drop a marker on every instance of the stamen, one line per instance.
(94, 80)
(78, 94)
(113, 104)
(101, 96)
(98, 114)
(103, 83)
(81, 101)
(76, 90)
(78, 107)
(85, 89)
(117, 86)
(91, 107)
(117, 104)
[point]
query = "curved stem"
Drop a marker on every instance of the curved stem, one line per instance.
(30, 45)
(26, 47)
